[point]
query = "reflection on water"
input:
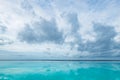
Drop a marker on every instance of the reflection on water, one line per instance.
(59, 70)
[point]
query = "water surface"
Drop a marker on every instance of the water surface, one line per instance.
(59, 70)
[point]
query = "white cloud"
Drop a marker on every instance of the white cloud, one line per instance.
(74, 19)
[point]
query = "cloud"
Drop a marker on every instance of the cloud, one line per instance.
(72, 18)
(26, 5)
(42, 31)
(5, 41)
(2, 29)
(73, 22)
(104, 44)
(69, 28)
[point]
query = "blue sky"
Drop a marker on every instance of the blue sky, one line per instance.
(57, 28)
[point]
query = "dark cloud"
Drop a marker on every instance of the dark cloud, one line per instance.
(105, 36)
(97, 5)
(26, 6)
(2, 28)
(43, 31)
(104, 44)
(73, 20)
(5, 41)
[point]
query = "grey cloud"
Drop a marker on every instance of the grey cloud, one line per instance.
(26, 5)
(43, 31)
(43, 3)
(104, 44)
(105, 35)
(2, 28)
(5, 41)
(72, 35)
(98, 5)
(73, 20)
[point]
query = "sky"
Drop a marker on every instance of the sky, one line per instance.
(59, 29)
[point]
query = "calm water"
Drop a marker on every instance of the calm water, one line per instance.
(59, 70)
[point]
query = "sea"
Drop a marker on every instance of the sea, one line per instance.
(59, 70)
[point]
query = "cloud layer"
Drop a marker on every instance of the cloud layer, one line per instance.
(63, 29)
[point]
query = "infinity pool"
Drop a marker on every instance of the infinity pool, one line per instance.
(59, 70)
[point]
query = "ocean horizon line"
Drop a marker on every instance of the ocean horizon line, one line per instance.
(59, 59)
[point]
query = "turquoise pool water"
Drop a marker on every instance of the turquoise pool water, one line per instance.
(59, 70)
